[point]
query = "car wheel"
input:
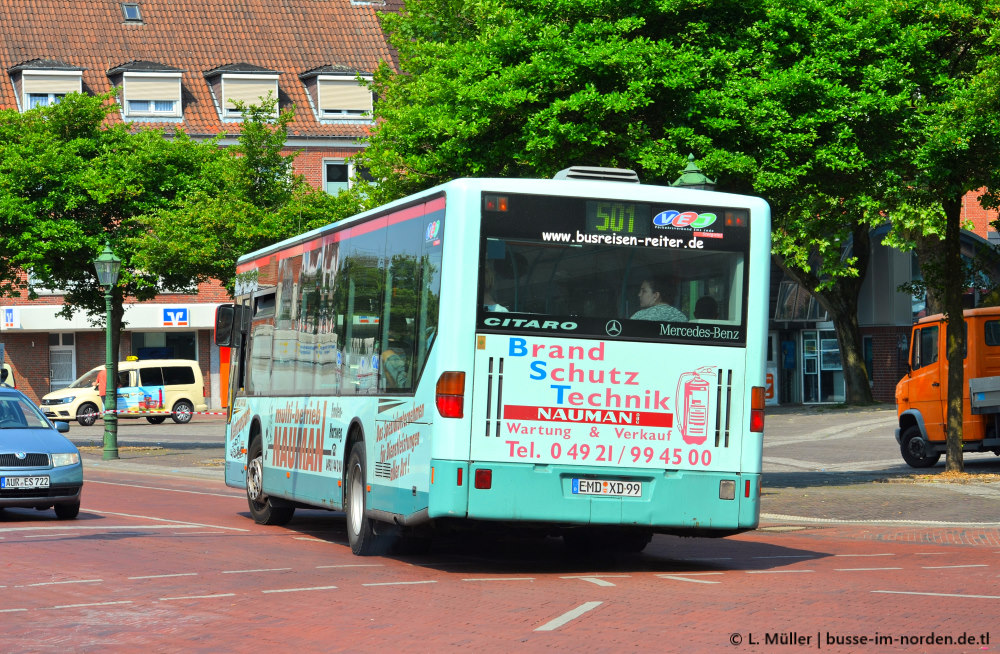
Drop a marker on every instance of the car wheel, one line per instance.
(182, 412)
(86, 415)
(363, 533)
(914, 449)
(262, 508)
(67, 511)
(155, 420)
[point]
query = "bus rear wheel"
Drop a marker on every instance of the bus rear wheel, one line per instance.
(913, 447)
(363, 533)
(262, 507)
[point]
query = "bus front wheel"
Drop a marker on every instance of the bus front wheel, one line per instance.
(262, 508)
(362, 532)
(914, 449)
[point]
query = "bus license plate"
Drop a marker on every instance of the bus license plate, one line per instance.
(607, 487)
(24, 482)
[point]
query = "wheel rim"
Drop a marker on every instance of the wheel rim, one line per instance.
(915, 446)
(183, 412)
(86, 414)
(254, 485)
(356, 508)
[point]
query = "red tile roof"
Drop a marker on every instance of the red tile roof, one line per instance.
(290, 36)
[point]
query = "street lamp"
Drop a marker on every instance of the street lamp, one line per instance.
(107, 266)
(692, 177)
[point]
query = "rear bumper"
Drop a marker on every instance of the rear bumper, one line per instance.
(671, 499)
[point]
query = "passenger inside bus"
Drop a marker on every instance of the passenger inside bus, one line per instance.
(489, 302)
(653, 303)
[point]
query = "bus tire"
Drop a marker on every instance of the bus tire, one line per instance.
(913, 447)
(362, 532)
(262, 508)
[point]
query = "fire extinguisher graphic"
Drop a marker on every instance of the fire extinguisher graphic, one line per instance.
(691, 405)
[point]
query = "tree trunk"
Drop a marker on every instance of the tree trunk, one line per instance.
(841, 302)
(953, 287)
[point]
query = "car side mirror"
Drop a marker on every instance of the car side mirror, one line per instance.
(61, 426)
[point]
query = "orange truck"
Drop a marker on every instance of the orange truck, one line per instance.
(922, 395)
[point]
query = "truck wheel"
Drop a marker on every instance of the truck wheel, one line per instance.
(914, 449)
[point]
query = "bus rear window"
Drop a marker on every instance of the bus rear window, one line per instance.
(595, 268)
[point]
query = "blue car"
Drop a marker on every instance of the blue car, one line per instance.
(39, 467)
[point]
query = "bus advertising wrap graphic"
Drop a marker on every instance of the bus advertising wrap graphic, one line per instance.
(605, 403)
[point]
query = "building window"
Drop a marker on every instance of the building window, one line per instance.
(342, 98)
(43, 88)
(44, 99)
(336, 177)
(250, 90)
(131, 12)
(151, 94)
(165, 345)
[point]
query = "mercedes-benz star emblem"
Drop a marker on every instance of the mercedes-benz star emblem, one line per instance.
(613, 328)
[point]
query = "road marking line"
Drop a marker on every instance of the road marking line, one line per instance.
(57, 583)
(169, 490)
(400, 583)
(239, 572)
(693, 581)
(863, 569)
(500, 579)
(778, 517)
(12, 610)
(774, 572)
(944, 567)
(118, 529)
(910, 592)
(76, 606)
(176, 574)
(173, 522)
(310, 538)
(552, 625)
(297, 590)
(930, 553)
(191, 597)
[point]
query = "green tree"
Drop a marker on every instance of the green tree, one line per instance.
(70, 182)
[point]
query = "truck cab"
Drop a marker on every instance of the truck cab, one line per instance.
(921, 396)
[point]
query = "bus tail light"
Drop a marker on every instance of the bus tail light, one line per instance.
(757, 409)
(484, 479)
(450, 397)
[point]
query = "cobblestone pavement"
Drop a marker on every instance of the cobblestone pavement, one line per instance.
(823, 466)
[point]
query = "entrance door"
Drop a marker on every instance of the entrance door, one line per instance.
(822, 371)
(62, 361)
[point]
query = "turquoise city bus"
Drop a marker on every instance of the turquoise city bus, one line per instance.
(582, 356)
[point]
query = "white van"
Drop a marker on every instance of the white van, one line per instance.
(153, 389)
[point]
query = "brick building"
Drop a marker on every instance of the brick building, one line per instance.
(181, 65)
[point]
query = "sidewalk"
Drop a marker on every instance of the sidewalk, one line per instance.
(823, 465)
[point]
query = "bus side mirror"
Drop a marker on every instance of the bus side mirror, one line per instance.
(229, 325)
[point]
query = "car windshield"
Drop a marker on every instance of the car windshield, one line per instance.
(17, 413)
(88, 380)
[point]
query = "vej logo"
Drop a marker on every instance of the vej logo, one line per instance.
(671, 218)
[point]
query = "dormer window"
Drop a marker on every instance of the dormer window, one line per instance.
(336, 94)
(45, 83)
(241, 83)
(131, 12)
(151, 94)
